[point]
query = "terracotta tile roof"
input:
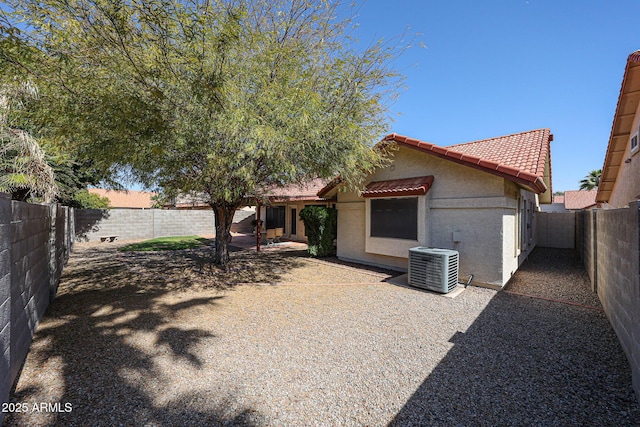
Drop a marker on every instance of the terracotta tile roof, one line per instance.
(558, 199)
(297, 192)
(580, 199)
(399, 187)
(519, 157)
(126, 199)
(334, 183)
(524, 151)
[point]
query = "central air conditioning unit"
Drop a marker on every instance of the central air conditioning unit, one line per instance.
(433, 269)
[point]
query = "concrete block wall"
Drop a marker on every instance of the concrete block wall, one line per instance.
(35, 241)
(127, 224)
(61, 241)
(5, 298)
(588, 248)
(30, 284)
(242, 221)
(611, 253)
(556, 229)
(140, 224)
(184, 223)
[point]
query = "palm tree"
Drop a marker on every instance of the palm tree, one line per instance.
(24, 171)
(591, 181)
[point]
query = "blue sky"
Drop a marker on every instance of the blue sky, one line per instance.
(496, 67)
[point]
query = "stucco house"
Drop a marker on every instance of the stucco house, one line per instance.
(619, 183)
(283, 206)
(478, 198)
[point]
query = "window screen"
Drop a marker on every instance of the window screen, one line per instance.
(276, 217)
(395, 218)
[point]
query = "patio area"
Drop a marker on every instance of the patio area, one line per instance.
(281, 339)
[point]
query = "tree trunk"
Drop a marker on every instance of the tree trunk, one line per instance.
(224, 218)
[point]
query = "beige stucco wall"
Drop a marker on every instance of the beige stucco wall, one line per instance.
(467, 210)
(627, 186)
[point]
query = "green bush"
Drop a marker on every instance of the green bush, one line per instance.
(321, 225)
(82, 199)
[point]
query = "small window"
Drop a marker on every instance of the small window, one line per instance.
(275, 217)
(634, 143)
(395, 218)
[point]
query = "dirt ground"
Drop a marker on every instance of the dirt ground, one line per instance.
(155, 339)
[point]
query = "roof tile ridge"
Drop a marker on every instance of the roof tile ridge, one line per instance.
(543, 151)
(500, 137)
(500, 167)
(634, 56)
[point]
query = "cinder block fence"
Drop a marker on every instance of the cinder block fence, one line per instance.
(608, 242)
(135, 224)
(610, 248)
(35, 242)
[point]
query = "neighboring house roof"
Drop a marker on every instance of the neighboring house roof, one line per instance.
(579, 199)
(126, 199)
(292, 192)
(558, 199)
(399, 187)
(524, 158)
(622, 126)
(297, 192)
(190, 201)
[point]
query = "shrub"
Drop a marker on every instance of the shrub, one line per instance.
(321, 225)
(84, 200)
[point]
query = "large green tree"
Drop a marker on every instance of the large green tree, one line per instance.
(222, 97)
(31, 168)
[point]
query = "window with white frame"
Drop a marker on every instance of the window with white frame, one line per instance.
(634, 143)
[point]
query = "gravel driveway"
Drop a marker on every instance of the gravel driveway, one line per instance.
(128, 341)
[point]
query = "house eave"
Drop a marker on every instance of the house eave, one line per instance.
(621, 128)
(533, 182)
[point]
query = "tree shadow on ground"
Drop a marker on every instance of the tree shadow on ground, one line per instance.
(112, 341)
(181, 270)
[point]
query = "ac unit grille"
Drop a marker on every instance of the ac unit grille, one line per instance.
(433, 269)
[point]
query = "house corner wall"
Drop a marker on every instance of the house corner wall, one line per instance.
(465, 210)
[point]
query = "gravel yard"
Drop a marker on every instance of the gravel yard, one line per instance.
(164, 339)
